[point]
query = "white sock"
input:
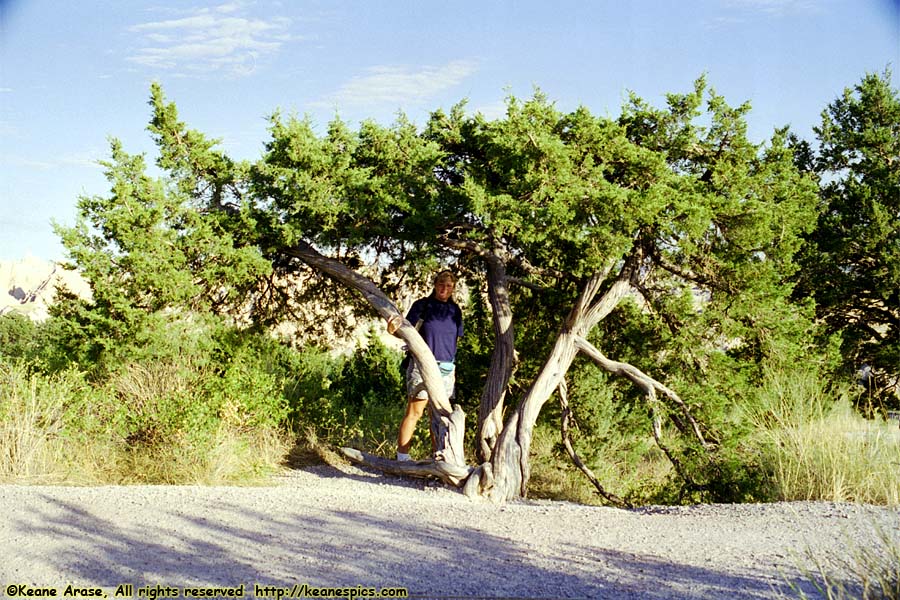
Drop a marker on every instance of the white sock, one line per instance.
(403, 457)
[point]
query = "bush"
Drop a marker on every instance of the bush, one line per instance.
(364, 401)
(371, 376)
(19, 337)
(207, 405)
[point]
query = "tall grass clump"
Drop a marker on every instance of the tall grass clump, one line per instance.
(31, 423)
(816, 447)
(179, 423)
(206, 405)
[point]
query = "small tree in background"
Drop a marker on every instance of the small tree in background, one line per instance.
(851, 260)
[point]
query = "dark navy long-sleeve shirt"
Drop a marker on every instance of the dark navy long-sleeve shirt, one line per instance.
(441, 326)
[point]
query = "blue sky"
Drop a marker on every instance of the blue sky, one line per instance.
(73, 74)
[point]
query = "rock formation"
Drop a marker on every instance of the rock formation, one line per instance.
(29, 286)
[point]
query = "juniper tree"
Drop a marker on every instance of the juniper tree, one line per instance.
(851, 261)
(672, 210)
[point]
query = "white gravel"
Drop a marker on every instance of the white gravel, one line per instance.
(350, 528)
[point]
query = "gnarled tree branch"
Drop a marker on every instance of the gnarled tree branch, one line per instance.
(570, 449)
(647, 384)
(448, 449)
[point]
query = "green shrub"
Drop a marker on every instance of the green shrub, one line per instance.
(308, 388)
(18, 336)
(364, 399)
(205, 406)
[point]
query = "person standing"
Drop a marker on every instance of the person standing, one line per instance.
(439, 321)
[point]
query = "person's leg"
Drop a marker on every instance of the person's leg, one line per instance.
(415, 407)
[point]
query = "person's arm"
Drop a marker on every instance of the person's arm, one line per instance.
(415, 312)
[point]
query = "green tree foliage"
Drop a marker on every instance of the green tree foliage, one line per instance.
(560, 217)
(18, 336)
(153, 252)
(851, 261)
(706, 222)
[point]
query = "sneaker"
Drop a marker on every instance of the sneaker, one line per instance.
(403, 457)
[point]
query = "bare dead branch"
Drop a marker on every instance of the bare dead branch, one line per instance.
(567, 442)
(657, 435)
(449, 473)
(527, 284)
(646, 383)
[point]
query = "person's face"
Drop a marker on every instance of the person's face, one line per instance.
(443, 289)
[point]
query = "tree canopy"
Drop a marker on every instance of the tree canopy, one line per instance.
(664, 236)
(851, 261)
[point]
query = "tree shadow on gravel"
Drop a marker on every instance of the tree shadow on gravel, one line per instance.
(173, 540)
(373, 476)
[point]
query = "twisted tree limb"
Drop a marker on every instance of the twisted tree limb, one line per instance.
(647, 384)
(449, 473)
(567, 442)
(503, 358)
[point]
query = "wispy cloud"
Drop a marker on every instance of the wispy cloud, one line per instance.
(85, 158)
(219, 40)
(89, 158)
(740, 11)
(400, 85)
(27, 163)
(776, 7)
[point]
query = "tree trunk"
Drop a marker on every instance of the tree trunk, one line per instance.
(448, 439)
(490, 414)
(510, 465)
(450, 474)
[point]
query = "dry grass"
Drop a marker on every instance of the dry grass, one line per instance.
(310, 450)
(30, 426)
(819, 448)
(59, 430)
(839, 458)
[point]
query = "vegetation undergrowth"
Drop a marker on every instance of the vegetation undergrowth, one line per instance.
(254, 405)
(62, 428)
(204, 405)
(804, 441)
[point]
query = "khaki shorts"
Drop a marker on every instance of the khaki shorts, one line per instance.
(415, 386)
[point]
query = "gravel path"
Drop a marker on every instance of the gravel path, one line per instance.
(354, 529)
